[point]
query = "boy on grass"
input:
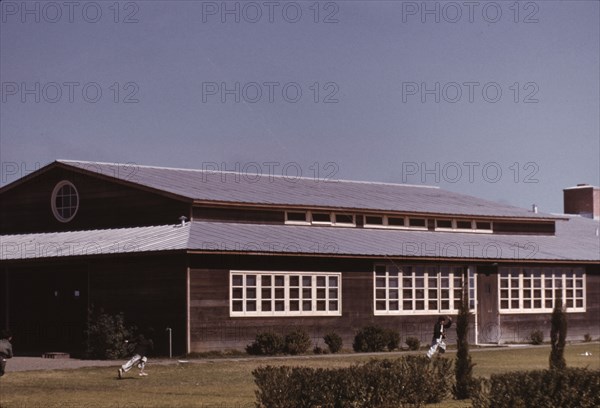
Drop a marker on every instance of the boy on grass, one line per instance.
(437, 342)
(142, 347)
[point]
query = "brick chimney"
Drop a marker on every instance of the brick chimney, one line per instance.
(583, 199)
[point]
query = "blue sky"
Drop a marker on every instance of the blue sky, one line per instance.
(495, 99)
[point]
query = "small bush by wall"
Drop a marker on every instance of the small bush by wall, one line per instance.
(375, 338)
(568, 388)
(297, 342)
(333, 341)
(266, 343)
(411, 381)
(106, 335)
(536, 337)
(413, 343)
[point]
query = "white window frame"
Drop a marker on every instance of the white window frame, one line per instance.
(55, 209)
(427, 288)
(332, 220)
(294, 222)
(313, 222)
(514, 289)
(386, 225)
(315, 300)
(343, 224)
(454, 227)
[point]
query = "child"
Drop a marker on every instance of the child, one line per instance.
(5, 349)
(143, 346)
(439, 335)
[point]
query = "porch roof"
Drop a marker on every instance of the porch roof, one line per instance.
(576, 240)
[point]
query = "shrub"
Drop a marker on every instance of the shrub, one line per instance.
(374, 338)
(265, 344)
(568, 388)
(393, 339)
(333, 341)
(587, 338)
(413, 343)
(297, 342)
(536, 337)
(408, 381)
(106, 335)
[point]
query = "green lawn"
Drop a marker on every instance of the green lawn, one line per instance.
(223, 383)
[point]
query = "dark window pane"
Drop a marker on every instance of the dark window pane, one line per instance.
(237, 306)
(463, 224)
(443, 223)
(396, 221)
(344, 218)
(416, 222)
(372, 219)
(321, 217)
(296, 216)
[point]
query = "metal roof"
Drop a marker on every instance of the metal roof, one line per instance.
(94, 242)
(272, 190)
(575, 240)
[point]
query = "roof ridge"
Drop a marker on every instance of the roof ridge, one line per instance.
(66, 161)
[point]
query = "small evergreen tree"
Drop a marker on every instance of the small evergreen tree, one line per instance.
(558, 336)
(106, 335)
(464, 367)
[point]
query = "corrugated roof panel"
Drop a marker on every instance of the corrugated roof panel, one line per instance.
(576, 240)
(578, 245)
(94, 242)
(266, 189)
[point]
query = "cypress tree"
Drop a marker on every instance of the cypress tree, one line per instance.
(463, 369)
(558, 336)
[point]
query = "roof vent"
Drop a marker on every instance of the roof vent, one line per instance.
(534, 208)
(183, 219)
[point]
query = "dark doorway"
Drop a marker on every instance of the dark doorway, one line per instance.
(47, 308)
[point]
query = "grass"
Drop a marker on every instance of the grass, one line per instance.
(225, 383)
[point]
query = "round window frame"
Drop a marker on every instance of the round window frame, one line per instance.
(55, 211)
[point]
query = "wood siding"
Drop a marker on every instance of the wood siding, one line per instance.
(212, 328)
(518, 327)
(149, 290)
(102, 204)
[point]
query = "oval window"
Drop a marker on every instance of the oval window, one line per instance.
(65, 201)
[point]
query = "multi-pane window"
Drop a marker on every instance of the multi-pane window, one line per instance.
(420, 289)
(320, 218)
(65, 201)
(463, 225)
(536, 290)
(285, 293)
(391, 221)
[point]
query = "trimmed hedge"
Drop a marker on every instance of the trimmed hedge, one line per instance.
(568, 388)
(411, 381)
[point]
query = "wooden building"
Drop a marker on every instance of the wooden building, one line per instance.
(219, 256)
